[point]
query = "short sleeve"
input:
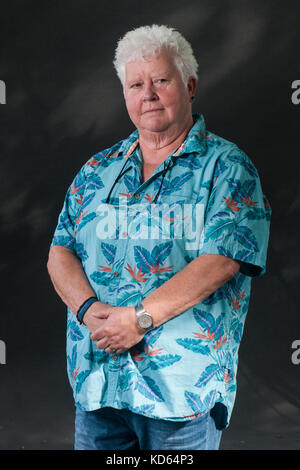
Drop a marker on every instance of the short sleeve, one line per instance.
(65, 231)
(238, 214)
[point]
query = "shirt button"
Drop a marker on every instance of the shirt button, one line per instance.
(115, 358)
(136, 196)
(116, 274)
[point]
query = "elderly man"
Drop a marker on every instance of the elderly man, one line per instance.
(154, 251)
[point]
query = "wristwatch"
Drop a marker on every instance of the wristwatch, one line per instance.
(144, 318)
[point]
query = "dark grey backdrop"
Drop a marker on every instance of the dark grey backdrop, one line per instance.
(64, 103)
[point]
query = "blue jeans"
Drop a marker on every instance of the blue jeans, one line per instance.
(112, 429)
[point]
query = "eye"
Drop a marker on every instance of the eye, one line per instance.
(135, 85)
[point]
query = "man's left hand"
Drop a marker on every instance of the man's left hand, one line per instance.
(120, 331)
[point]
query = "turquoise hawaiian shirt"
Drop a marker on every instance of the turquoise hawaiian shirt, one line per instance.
(132, 236)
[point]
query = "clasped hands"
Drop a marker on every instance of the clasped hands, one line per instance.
(115, 329)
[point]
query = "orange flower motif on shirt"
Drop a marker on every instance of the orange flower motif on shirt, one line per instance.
(137, 275)
(232, 204)
(209, 336)
(152, 352)
(160, 269)
(235, 302)
(93, 162)
(80, 216)
(248, 201)
(220, 342)
(226, 377)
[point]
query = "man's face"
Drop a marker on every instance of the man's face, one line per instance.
(155, 95)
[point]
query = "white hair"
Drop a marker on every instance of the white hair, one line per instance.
(151, 40)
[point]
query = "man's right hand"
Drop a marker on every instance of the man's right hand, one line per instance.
(96, 315)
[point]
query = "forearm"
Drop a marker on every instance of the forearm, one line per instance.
(68, 277)
(200, 278)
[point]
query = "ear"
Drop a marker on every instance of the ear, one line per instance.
(191, 86)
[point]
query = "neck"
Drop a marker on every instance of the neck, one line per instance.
(156, 146)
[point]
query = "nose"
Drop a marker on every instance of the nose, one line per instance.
(149, 93)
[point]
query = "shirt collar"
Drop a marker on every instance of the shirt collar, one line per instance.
(196, 141)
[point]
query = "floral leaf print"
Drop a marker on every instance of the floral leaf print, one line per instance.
(220, 168)
(80, 379)
(143, 409)
(143, 258)
(255, 214)
(138, 276)
(240, 157)
(205, 320)
(87, 200)
(72, 359)
(193, 345)
(159, 362)
(95, 356)
(218, 224)
(126, 379)
(246, 238)
(209, 400)
(208, 374)
(75, 332)
(109, 252)
(191, 161)
(194, 401)
(131, 183)
(78, 183)
(80, 251)
(247, 189)
(147, 387)
(176, 183)
(130, 296)
(96, 183)
(161, 252)
(63, 240)
(153, 335)
(64, 222)
(238, 333)
(100, 278)
(213, 298)
(86, 219)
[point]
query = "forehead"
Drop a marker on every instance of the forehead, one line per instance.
(162, 63)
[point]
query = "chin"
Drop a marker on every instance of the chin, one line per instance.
(155, 125)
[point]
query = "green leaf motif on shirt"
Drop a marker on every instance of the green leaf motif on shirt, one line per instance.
(176, 183)
(220, 222)
(246, 238)
(147, 262)
(197, 405)
(74, 331)
(143, 409)
(208, 374)
(100, 278)
(95, 356)
(161, 361)
(86, 219)
(193, 345)
(80, 379)
(148, 387)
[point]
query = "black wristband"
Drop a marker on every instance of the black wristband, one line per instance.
(86, 304)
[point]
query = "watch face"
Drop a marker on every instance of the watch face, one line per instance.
(145, 321)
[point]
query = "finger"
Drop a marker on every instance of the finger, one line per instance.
(103, 344)
(97, 335)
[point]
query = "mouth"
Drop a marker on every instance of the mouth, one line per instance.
(153, 110)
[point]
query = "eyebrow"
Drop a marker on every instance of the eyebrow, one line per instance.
(156, 75)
